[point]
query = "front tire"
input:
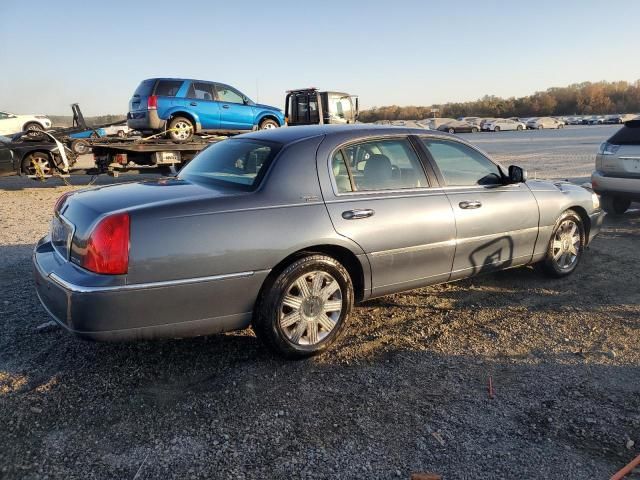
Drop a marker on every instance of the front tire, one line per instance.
(37, 163)
(303, 310)
(614, 205)
(566, 245)
(474, 130)
(180, 129)
(268, 124)
(496, 129)
(451, 130)
(33, 127)
(519, 127)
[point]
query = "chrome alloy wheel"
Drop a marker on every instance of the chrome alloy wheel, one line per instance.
(311, 308)
(39, 165)
(269, 126)
(566, 244)
(182, 130)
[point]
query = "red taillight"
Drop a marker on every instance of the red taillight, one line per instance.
(61, 200)
(108, 246)
(152, 102)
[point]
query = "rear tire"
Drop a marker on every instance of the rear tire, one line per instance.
(519, 127)
(80, 146)
(451, 130)
(565, 246)
(474, 130)
(180, 129)
(33, 127)
(303, 310)
(496, 129)
(614, 205)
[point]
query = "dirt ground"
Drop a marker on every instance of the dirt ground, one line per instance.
(404, 390)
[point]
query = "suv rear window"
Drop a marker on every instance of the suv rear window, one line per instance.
(145, 87)
(627, 135)
(168, 88)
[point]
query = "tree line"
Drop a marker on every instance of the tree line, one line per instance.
(587, 98)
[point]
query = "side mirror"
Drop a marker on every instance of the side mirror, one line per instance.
(517, 174)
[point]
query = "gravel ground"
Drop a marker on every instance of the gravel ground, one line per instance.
(404, 390)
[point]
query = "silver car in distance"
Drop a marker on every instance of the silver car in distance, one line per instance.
(284, 230)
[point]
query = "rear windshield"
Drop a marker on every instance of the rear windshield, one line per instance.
(168, 88)
(238, 163)
(627, 135)
(144, 89)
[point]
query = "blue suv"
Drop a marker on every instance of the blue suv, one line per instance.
(183, 107)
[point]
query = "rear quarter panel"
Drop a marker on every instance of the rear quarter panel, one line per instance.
(248, 232)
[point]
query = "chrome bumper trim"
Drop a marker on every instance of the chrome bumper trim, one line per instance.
(138, 286)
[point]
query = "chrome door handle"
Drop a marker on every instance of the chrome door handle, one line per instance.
(355, 214)
(225, 106)
(470, 205)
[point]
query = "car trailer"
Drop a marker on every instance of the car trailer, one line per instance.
(118, 155)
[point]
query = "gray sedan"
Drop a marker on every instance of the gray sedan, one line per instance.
(285, 230)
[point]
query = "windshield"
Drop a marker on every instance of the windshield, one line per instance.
(4, 139)
(236, 162)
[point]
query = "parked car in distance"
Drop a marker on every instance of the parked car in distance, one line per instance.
(285, 229)
(457, 126)
(617, 175)
(183, 107)
(473, 120)
(500, 124)
(540, 123)
(12, 123)
(485, 121)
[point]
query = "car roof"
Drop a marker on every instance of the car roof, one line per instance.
(293, 134)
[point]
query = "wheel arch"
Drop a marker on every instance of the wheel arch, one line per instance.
(189, 115)
(271, 116)
(346, 257)
(584, 216)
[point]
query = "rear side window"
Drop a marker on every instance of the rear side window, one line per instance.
(378, 165)
(236, 162)
(461, 165)
(168, 88)
(627, 135)
(200, 91)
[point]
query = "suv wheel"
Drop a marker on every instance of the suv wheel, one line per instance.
(268, 124)
(614, 205)
(566, 245)
(304, 309)
(180, 129)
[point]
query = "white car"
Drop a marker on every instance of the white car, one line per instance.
(12, 123)
(544, 122)
(500, 124)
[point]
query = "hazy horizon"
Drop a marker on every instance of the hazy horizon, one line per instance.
(414, 53)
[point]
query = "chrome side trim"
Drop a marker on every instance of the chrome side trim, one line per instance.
(415, 248)
(138, 286)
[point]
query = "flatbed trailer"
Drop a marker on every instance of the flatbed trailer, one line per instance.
(113, 155)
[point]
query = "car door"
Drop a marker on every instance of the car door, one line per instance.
(380, 197)
(235, 114)
(201, 98)
(496, 223)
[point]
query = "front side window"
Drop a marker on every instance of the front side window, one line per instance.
(378, 165)
(168, 88)
(228, 95)
(236, 162)
(200, 91)
(461, 165)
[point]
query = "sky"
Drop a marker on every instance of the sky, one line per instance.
(387, 52)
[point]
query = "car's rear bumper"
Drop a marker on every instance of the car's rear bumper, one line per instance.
(625, 187)
(145, 120)
(173, 309)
